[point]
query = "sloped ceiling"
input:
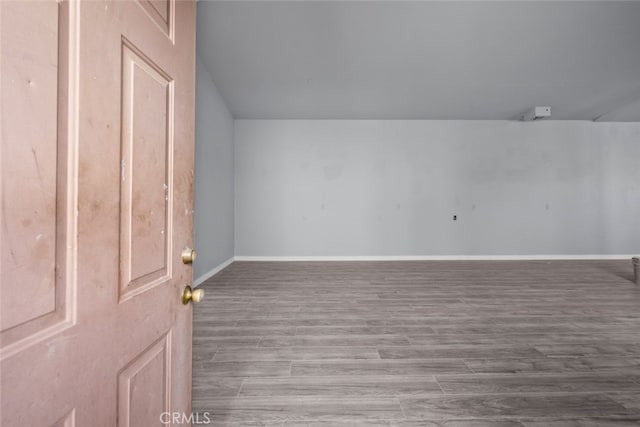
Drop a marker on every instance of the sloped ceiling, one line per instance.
(423, 59)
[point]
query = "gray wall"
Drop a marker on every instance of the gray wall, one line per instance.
(390, 188)
(214, 193)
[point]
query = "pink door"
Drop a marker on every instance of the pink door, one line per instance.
(97, 191)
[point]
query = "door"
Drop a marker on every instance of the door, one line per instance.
(97, 189)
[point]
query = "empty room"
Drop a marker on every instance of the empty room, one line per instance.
(320, 213)
(430, 211)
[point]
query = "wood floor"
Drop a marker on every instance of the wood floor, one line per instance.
(471, 343)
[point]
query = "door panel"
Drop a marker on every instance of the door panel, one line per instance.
(38, 230)
(29, 254)
(149, 375)
(97, 195)
(69, 420)
(146, 189)
(163, 14)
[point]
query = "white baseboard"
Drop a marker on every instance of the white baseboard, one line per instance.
(198, 281)
(435, 258)
(212, 272)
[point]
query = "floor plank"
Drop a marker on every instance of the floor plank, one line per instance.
(379, 367)
(565, 405)
(304, 409)
(334, 340)
(459, 350)
(245, 369)
(482, 384)
(296, 353)
(627, 366)
(340, 386)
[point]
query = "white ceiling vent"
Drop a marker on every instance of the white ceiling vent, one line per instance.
(537, 113)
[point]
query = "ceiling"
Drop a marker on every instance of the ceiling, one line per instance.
(472, 60)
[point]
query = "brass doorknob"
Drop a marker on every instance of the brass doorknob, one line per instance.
(188, 255)
(189, 294)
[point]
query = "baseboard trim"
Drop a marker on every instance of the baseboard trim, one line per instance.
(212, 272)
(198, 281)
(435, 258)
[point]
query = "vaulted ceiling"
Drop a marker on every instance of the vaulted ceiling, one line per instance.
(423, 59)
